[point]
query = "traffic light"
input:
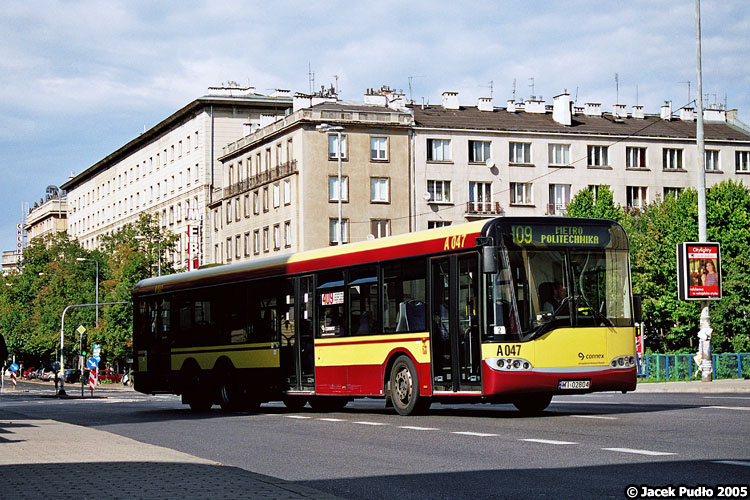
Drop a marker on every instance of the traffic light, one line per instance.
(83, 347)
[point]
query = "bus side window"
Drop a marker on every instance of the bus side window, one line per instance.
(332, 319)
(404, 296)
(363, 301)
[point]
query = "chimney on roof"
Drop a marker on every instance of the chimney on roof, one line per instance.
(638, 112)
(618, 111)
(714, 115)
(562, 109)
(511, 106)
(578, 110)
(687, 114)
(374, 98)
(281, 93)
(666, 110)
(396, 100)
(534, 105)
(485, 104)
(450, 100)
(592, 109)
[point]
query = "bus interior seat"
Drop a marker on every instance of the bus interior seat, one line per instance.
(411, 316)
(364, 324)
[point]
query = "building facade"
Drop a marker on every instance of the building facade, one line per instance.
(48, 216)
(531, 158)
(170, 170)
(282, 186)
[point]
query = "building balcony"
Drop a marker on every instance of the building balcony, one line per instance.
(483, 208)
(254, 181)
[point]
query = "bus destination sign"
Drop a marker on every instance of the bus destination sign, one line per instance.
(556, 234)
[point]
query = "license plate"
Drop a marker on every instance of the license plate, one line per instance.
(574, 384)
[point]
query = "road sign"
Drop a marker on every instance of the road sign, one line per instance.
(13, 367)
(98, 359)
(91, 363)
(97, 349)
(81, 330)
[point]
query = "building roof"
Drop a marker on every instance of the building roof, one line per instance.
(251, 100)
(501, 120)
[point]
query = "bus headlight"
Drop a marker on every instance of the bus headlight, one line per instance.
(508, 364)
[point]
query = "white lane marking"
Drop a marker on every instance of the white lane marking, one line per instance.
(594, 416)
(370, 423)
(301, 417)
(415, 428)
(332, 419)
(639, 452)
(732, 462)
(479, 434)
(726, 397)
(547, 441)
(741, 408)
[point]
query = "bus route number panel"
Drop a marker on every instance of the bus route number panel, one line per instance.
(559, 234)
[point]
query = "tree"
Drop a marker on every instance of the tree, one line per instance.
(583, 204)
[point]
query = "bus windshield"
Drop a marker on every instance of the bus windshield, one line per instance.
(540, 289)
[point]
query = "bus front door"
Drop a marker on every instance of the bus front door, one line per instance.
(456, 355)
(297, 337)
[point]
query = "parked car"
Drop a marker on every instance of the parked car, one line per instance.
(27, 372)
(109, 376)
(46, 374)
(72, 376)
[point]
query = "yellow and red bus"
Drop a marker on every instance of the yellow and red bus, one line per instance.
(509, 310)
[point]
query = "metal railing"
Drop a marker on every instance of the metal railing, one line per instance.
(261, 178)
(483, 207)
(556, 209)
(665, 367)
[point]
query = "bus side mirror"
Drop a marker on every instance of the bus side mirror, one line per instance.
(637, 308)
(489, 259)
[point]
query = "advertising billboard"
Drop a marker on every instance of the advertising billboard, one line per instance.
(698, 271)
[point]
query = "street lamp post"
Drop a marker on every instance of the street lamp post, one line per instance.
(96, 299)
(325, 128)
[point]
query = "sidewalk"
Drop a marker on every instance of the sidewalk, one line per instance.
(696, 386)
(50, 459)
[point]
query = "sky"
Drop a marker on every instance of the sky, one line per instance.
(79, 79)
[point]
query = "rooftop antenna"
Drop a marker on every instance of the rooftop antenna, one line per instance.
(411, 99)
(514, 89)
(636, 95)
(617, 88)
(533, 95)
(336, 85)
(576, 99)
(689, 99)
(491, 89)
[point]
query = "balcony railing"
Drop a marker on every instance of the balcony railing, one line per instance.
(270, 175)
(483, 208)
(556, 209)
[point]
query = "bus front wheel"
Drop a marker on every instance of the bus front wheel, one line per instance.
(532, 404)
(404, 388)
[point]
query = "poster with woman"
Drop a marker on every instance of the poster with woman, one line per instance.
(699, 271)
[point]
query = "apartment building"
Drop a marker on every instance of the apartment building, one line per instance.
(530, 158)
(47, 216)
(281, 183)
(170, 170)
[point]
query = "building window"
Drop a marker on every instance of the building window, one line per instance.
(559, 197)
(637, 197)
(267, 166)
(672, 159)
(380, 228)
(672, 191)
(237, 247)
(276, 195)
(712, 160)
(440, 191)
(266, 247)
(520, 193)
(379, 192)
(229, 211)
(480, 192)
(256, 241)
(479, 151)
(288, 233)
(432, 224)
(217, 254)
(742, 161)
(438, 150)
(229, 249)
(635, 157)
(559, 154)
(333, 189)
(265, 198)
(246, 244)
(519, 152)
(171, 215)
(598, 156)
(256, 203)
(276, 237)
(333, 226)
(278, 154)
(333, 146)
(378, 148)
(287, 192)
(247, 205)
(289, 151)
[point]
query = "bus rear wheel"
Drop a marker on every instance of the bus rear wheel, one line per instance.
(532, 404)
(404, 388)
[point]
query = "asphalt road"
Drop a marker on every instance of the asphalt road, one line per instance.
(591, 446)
